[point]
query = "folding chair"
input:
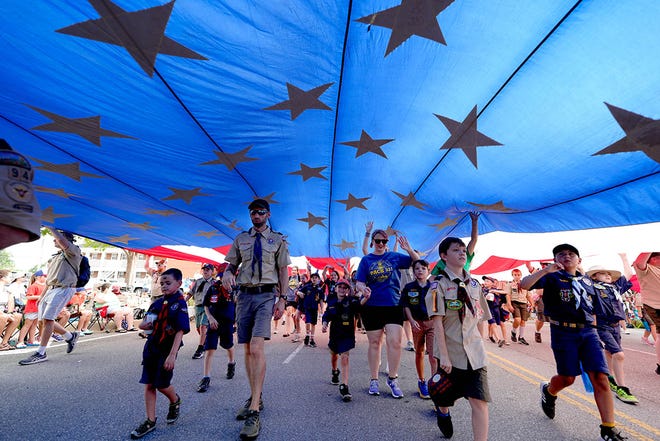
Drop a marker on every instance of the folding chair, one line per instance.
(102, 318)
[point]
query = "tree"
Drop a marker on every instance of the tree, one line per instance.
(6, 262)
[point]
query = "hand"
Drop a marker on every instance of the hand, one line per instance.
(415, 325)
(368, 227)
(213, 323)
(474, 215)
(445, 363)
(278, 309)
(169, 362)
(554, 267)
(403, 243)
(324, 329)
(366, 293)
(228, 280)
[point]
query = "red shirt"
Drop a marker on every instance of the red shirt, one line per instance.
(33, 290)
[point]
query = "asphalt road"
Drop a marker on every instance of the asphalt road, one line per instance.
(93, 394)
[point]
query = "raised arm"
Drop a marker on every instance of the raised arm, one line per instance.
(641, 262)
(474, 234)
(367, 232)
(405, 245)
(626, 265)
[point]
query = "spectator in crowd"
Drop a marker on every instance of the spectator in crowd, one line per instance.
(108, 299)
(34, 292)
(161, 266)
(77, 308)
(9, 318)
(647, 267)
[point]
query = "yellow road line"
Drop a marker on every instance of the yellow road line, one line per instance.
(533, 378)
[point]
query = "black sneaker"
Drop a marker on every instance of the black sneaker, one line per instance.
(537, 337)
(522, 341)
(444, 424)
(657, 369)
(71, 343)
(243, 411)
(312, 343)
(547, 401)
(307, 340)
(513, 337)
(144, 428)
(231, 370)
(34, 359)
(204, 384)
(251, 427)
(199, 353)
(173, 412)
(491, 338)
(345, 394)
(335, 377)
(611, 434)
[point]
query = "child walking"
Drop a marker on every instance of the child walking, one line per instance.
(341, 316)
(168, 326)
(312, 295)
(221, 312)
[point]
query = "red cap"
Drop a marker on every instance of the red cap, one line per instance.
(343, 282)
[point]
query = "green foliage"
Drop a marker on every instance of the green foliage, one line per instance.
(89, 243)
(6, 262)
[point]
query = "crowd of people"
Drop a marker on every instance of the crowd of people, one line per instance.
(446, 314)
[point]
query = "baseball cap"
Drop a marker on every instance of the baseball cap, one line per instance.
(563, 247)
(39, 273)
(259, 203)
(343, 282)
(207, 266)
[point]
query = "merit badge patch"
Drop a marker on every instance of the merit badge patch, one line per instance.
(454, 305)
(18, 191)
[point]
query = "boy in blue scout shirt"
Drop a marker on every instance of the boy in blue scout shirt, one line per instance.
(160, 350)
(414, 306)
(312, 295)
(608, 285)
(341, 315)
(220, 311)
(569, 297)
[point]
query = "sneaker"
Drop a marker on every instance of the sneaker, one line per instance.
(547, 401)
(307, 340)
(87, 332)
(231, 370)
(199, 353)
(345, 394)
(537, 337)
(394, 386)
(501, 343)
(444, 424)
(295, 339)
(423, 390)
(71, 343)
(623, 394)
(173, 412)
(522, 341)
(613, 386)
(513, 337)
(657, 369)
(506, 343)
(21, 346)
(491, 338)
(275, 332)
(32, 344)
(646, 340)
(410, 347)
(57, 337)
(285, 335)
(204, 384)
(245, 410)
(312, 343)
(144, 428)
(373, 387)
(251, 427)
(335, 377)
(611, 434)
(34, 359)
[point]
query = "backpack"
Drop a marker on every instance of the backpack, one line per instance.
(84, 272)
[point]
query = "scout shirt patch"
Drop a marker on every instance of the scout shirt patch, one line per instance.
(344, 319)
(214, 298)
(18, 191)
(566, 295)
(413, 297)
(473, 282)
(454, 304)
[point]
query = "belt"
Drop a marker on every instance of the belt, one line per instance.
(60, 286)
(571, 325)
(258, 289)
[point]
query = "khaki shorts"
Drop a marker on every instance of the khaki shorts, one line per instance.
(653, 314)
(520, 310)
(253, 315)
(54, 301)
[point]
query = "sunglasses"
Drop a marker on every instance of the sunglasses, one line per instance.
(259, 212)
(381, 241)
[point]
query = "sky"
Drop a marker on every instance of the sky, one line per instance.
(598, 246)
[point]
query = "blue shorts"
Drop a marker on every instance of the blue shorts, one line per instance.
(611, 338)
(312, 316)
(572, 346)
(495, 313)
(341, 345)
(253, 315)
(154, 372)
(224, 333)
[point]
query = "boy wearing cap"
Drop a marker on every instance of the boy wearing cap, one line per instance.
(608, 285)
(312, 295)
(198, 291)
(220, 310)
(568, 297)
(341, 317)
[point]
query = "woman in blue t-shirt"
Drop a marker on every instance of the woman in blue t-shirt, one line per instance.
(378, 274)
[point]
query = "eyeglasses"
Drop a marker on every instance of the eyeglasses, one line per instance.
(259, 212)
(381, 241)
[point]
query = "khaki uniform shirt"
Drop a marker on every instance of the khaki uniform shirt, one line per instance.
(155, 284)
(60, 273)
(464, 342)
(515, 293)
(649, 283)
(199, 295)
(275, 255)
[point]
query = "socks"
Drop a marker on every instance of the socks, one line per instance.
(41, 350)
(521, 331)
(67, 336)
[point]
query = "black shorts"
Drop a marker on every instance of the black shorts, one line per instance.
(224, 334)
(375, 318)
(466, 384)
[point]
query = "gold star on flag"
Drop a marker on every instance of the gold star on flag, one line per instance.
(390, 231)
(184, 195)
(497, 206)
(164, 213)
(234, 225)
(70, 170)
(353, 202)
(309, 172)
(121, 239)
(146, 226)
(366, 144)
(313, 220)
(344, 245)
(231, 160)
(54, 191)
(268, 198)
(300, 100)
(444, 224)
(409, 200)
(49, 216)
(208, 234)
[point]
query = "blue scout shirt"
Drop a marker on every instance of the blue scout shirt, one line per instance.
(341, 316)
(380, 273)
(220, 302)
(559, 298)
(177, 320)
(413, 297)
(313, 295)
(610, 309)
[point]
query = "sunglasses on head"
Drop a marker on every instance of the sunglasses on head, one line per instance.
(260, 212)
(381, 241)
